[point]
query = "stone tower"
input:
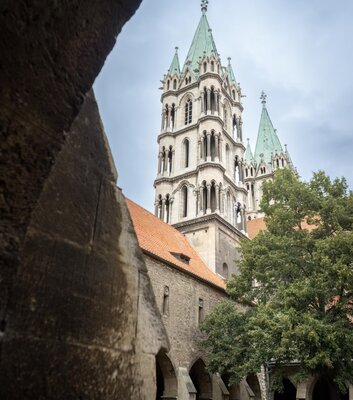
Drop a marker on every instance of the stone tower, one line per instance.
(269, 156)
(200, 187)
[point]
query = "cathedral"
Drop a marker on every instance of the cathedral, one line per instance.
(207, 196)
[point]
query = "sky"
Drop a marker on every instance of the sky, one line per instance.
(300, 52)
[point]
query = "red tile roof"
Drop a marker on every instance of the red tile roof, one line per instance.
(256, 225)
(159, 239)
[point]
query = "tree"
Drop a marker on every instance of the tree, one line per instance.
(296, 283)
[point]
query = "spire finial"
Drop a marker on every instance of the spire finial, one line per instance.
(248, 140)
(229, 58)
(263, 98)
(204, 4)
(176, 49)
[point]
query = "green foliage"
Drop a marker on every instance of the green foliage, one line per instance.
(296, 283)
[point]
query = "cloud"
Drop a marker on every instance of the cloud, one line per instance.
(299, 52)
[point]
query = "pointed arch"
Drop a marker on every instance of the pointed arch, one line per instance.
(184, 201)
(188, 112)
(186, 151)
(166, 379)
(201, 379)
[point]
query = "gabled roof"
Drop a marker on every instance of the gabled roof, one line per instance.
(202, 44)
(156, 238)
(267, 143)
(175, 66)
(249, 158)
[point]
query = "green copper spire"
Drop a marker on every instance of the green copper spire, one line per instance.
(174, 66)
(267, 144)
(249, 158)
(202, 43)
(230, 73)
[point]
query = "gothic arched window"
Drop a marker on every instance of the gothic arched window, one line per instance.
(184, 191)
(167, 209)
(213, 100)
(186, 153)
(170, 160)
(204, 67)
(233, 94)
(212, 66)
(168, 83)
(174, 84)
(188, 112)
(172, 115)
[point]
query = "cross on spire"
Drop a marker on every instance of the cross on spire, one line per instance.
(263, 98)
(204, 4)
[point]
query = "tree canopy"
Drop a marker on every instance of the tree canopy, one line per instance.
(296, 286)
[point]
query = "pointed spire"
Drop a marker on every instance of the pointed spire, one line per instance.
(267, 142)
(249, 158)
(175, 66)
(230, 73)
(288, 157)
(202, 43)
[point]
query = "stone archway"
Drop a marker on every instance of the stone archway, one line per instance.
(324, 389)
(254, 384)
(166, 380)
(289, 391)
(201, 380)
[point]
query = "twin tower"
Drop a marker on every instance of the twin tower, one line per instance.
(208, 183)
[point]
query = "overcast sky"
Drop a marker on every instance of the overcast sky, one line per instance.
(298, 51)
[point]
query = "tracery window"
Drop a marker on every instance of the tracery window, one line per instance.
(188, 112)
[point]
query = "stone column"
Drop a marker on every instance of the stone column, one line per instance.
(163, 209)
(163, 119)
(208, 100)
(216, 147)
(165, 164)
(159, 162)
(217, 198)
(156, 208)
(202, 105)
(168, 118)
(200, 148)
(201, 210)
(208, 210)
(242, 216)
(170, 209)
(220, 148)
(216, 100)
(208, 146)
(240, 129)
(217, 103)
(173, 161)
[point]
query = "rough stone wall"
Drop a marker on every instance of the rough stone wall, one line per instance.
(71, 270)
(181, 321)
(73, 331)
(51, 53)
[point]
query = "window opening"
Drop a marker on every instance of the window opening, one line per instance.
(200, 311)
(185, 201)
(186, 153)
(165, 306)
(188, 112)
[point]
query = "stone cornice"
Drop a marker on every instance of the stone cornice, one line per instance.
(234, 142)
(207, 218)
(236, 187)
(174, 178)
